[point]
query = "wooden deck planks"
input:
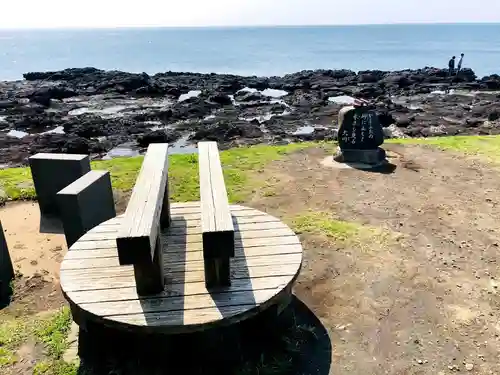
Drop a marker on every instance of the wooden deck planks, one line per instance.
(182, 230)
(267, 260)
(109, 257)
(192, 302)
(112, 267)
(175, 290)
(188, 318)
(253, 267)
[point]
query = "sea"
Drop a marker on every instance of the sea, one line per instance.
(262, 51)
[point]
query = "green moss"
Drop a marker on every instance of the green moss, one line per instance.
(7, 357)
(55, 367)
(16, 183)
(364, 238)
(13, 332)
(322, 223)
(53, 331)
(50, 330)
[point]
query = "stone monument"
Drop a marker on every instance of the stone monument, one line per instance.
(360, 136)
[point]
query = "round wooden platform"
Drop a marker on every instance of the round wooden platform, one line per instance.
(267, 260)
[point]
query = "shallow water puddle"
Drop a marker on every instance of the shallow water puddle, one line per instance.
(120, 152)
(267, 92)
(112, 110)
(17, 134)
(304, 130)
(190, 94)
(57, 130)
(341, 99)
(182, 146)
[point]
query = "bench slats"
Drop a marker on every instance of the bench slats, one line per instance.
(147, 212)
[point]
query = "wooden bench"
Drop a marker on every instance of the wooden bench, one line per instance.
(148, 211)
(100, 291)
(216, 220)
(222, 264)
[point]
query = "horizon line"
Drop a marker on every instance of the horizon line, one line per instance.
(244, 26)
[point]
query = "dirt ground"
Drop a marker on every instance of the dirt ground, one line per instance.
(424, 302)
(428, 302)
(36, 248)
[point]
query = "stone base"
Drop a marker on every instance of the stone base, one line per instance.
(52, 173)
(86, 203)
(6, 269)
(371, 157)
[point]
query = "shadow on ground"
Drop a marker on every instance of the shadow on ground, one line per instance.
(385, 168)
(51, 225)
(294, 343)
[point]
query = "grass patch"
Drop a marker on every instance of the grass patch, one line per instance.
(13, 332)
(7, 357)
(57, 367)
(325, 225)
(241, 168)
(49, 330)
(16, 183)
(486, 147)
(53, 331)
(322, 223)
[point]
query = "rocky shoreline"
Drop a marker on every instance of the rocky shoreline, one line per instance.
(110, 113)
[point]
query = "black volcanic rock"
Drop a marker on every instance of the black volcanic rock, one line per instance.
(99, 110)
(158, 136)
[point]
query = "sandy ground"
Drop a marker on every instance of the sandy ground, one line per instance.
(32, 250)
(421, 300)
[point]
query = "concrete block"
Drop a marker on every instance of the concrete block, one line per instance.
(6, 269)
(52, 173)
(86, 203)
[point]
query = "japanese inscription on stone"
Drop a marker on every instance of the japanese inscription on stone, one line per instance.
(360, 129)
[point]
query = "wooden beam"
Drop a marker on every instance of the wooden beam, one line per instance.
(216, 220)
(147, 213)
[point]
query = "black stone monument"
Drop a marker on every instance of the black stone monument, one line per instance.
(360, 136)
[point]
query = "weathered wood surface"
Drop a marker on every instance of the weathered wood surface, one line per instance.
(140, 225)
(263, 268)
(148, 211)
(216, 222)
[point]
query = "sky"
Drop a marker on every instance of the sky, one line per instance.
(175, 13)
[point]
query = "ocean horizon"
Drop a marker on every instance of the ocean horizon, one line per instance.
(251, 50)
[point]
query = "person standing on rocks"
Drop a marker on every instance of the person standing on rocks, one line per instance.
(460, 63)
(451, 66)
